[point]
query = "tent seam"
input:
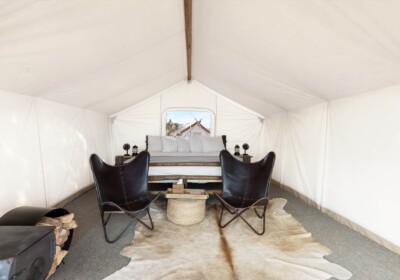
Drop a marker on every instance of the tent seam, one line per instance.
(325, 158)
(40, 151)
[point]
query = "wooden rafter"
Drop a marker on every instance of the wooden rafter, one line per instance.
(188, 32)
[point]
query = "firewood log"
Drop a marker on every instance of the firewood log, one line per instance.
(61, 236)
(70, 225)
(60, 257)
(62, 226)
(66, 218)
(52, 269)
(50, 221)
(54, 264)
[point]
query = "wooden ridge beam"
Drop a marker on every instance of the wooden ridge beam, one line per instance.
(188, 33)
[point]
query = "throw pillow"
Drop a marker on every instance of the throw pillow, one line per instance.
(169, 144)
(195, 144)
(154, 144)
(212, 144)
(183, 145)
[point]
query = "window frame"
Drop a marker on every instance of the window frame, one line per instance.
(187, 109)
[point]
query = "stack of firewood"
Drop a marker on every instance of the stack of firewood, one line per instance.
(62, 225)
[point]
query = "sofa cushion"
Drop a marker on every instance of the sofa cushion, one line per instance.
(190, 154)
(154, 144)
(183, 145)
(195, 144)
(169, 144)
(212, 144)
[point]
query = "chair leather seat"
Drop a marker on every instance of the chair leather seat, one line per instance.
(245, 185)
(123, 189)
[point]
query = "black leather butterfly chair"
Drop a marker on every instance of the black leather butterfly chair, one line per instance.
(245, 186)
(122, 189)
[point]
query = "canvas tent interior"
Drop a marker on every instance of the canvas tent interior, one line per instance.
(318, 82)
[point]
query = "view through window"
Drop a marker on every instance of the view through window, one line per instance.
(185, 123)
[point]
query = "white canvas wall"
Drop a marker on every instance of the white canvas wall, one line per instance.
(305, 138)
(274, 133)
(21, 180)
(133, 125)
(148, 118)
(362, 167)
(45, 148)
(239, 126)
(345, 156)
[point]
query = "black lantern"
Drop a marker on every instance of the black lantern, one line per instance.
(245, 148)
(135, 150)
(126, 147)
(237, 151)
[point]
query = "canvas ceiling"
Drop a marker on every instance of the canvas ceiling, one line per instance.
(269, 55)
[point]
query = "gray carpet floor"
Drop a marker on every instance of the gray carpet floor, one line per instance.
(90, 257)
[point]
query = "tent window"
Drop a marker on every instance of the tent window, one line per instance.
(186, 123)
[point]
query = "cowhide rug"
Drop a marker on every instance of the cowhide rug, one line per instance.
(204, 251)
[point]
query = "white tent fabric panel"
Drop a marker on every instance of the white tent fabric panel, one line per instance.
(65, 169)
(270, 55)
(188, 95)
(148, 118)
(96, 132)
(239, 126)
(305, 151)
(234, 72)
(140, 93)
(275, 137)
(307, 51)
(344, 156)
(362, 174)
(119, 79)
(132, 125)
(45, 149)
(21, 180)
(82, 53)
(238, 95)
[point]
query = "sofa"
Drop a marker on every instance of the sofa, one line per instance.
(196, 145)
(192, 158)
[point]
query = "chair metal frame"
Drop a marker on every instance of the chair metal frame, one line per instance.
(238, 212)
(133, 215)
